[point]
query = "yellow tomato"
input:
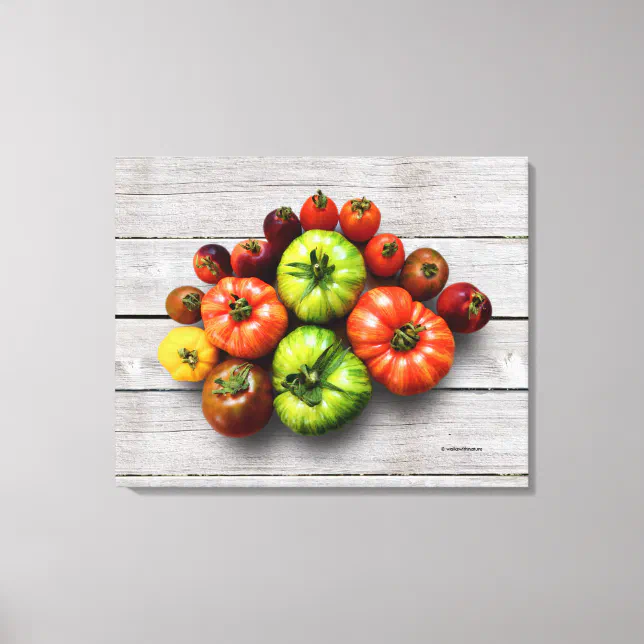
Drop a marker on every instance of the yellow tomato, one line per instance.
(186, 353)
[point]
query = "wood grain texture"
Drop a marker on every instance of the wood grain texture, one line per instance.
(489, 481)
(495, 358)
(148, 269)
(443, 432)
(229, 197)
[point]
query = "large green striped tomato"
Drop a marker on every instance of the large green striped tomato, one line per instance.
(319, 385)
(320, 276)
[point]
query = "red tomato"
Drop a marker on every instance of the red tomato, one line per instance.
(424, 274)
(212, 262)
(254, 258)
(359, 219)
(405, 346)
(183, 304)
(281, 227)
(464, 307)
(243, 317)
(237, 398)
(319, 212)
(385, 255)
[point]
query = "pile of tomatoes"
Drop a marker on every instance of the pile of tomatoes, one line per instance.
(316, 383)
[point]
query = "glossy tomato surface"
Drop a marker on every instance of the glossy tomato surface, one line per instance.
(319, 212)
(405, 346)
(464, 307)
(237, 398)
(319, 384)
(360, 219)
(243, 317)
(281, 227)
(212, 263)
(384, 255)
(183, 304)
(320, 276)
(424, 274)
(254, 258)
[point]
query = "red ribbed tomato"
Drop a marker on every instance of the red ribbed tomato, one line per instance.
(243, 317)
(405, 346)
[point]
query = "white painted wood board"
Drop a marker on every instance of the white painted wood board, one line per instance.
(442, 432)
(473, 210)
(229, 197)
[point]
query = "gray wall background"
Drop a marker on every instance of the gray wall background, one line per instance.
(82, 82)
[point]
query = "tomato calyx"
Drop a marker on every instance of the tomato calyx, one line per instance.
(207, 262)
(189, 357)
(429, 270)
(241, 309)
(360, 206)
(320, 200)
(251, 245)
(308, 382)
(478, 299)
(284, 213)
(192, 301)
(390, 249)
(317, 271)
(406, 337)
(238, 381)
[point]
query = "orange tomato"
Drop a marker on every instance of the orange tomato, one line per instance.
(384, 255)
(405, 346)
(243, 317)
(359, 219)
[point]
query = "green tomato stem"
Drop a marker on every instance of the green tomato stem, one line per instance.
(429, 270)
(241, 309)
(475, 305)
(406, 337)
(237, 382)
(189, 357)
(360, 206)
(320, 199)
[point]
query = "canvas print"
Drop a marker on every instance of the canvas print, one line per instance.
(309, 321)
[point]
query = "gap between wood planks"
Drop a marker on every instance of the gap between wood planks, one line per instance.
(308, 475)
(146, 316)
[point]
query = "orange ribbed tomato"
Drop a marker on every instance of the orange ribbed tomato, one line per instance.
(405, 346)
(243, 317)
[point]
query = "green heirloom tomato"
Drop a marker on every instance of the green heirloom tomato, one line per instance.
(319, 385)
(320, 276)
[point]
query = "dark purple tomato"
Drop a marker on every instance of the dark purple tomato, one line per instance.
(281, 227)
(255, 258)
(464, 307)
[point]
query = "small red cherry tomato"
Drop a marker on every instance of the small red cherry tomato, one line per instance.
(359, 219)
(384, 255)
(254, 258)
(212, 263)
(464, 307)
(281, 227)
(319, 212)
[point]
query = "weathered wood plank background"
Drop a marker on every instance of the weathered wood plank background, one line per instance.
(471, 431)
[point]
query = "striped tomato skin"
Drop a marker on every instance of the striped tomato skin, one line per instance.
(348, 392)
(405, 346)
(243, 317)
